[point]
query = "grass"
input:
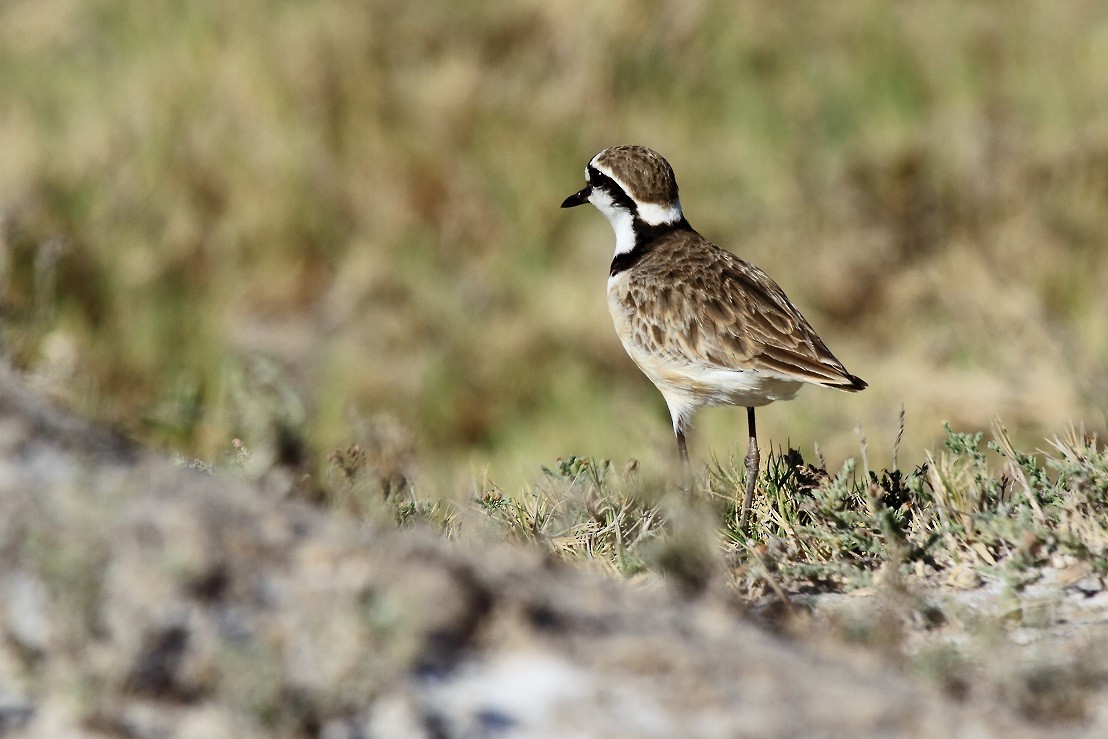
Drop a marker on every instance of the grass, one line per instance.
(971, 511)
(360, 204)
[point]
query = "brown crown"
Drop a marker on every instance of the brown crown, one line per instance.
(643, 172)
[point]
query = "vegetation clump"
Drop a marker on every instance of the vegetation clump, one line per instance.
(972, 510)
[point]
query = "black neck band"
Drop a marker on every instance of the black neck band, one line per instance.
(645, 238)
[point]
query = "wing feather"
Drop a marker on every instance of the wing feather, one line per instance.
(697, 303)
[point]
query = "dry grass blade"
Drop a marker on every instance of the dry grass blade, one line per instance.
(1000, 436)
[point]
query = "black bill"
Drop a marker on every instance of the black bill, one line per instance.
(578, 198)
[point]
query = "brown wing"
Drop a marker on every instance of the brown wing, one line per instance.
(701, 304)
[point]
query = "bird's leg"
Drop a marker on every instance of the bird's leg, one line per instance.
(683, 450)
(752, 461)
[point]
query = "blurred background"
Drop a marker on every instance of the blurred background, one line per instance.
(306, 224)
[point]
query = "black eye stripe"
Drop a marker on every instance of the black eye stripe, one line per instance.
(607, 184)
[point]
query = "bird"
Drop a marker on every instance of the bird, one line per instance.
(705, 326)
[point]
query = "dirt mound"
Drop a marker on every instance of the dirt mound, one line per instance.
(140, 599)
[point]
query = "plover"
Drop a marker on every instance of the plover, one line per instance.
(706, 327)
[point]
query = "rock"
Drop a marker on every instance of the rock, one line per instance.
(16, 712)
(24, 612)
(1089, 586)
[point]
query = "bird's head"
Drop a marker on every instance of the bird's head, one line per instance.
(630, 185)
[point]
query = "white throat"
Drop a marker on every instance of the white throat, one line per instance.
(622, 220)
